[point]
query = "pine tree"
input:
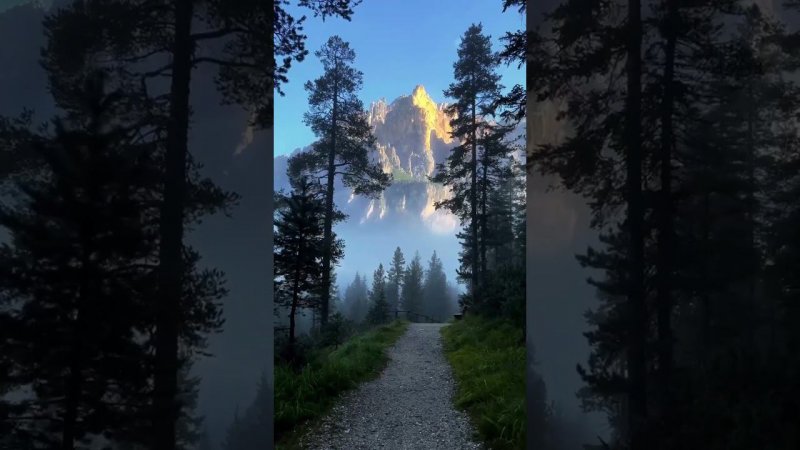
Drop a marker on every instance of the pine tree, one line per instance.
(497, 196)
(337, 117)
(335, 297)
(288, 46)
(604, 155)
(411, 296)
(299, 248)
(713, 87)
(251, 430)
(70, 284)
(84, 241)
(131, 36)
(434, 290)
(514, 52)
(721, 266)
(474, 90)
(189, 428)
(518, 185)
(378, 308)
(394, 280)
(356, 299)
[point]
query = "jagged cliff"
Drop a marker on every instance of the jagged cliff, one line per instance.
(413, 133)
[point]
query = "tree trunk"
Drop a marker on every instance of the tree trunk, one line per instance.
(636, 307)
(474, 202)
(292, 314)
(73, 392)
(72, 398)
(752, 320)
(328, 232)
(705, 324)
(165, 401)
(484, 188)
(665, 226)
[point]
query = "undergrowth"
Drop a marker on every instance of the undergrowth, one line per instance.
(488, 360)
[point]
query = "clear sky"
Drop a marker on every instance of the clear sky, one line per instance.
(398, 44)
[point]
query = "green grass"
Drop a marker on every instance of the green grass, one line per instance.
(310, 393)
(488, 360)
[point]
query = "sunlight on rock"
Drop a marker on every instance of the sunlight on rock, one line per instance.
(435, 119)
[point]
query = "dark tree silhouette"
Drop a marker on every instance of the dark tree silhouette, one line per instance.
(394, 280)
(606, 115)
(81, 266)
(299, 249)
(338, 118)
(356, 299)
(434, 290)
(289, 42)
(515, 51)
(714, 89)
(474, 90)
(411, 295)
(378, 308)
(71, 285)
(130, 37)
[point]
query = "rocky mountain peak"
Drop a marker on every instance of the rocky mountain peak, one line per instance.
(413, 134)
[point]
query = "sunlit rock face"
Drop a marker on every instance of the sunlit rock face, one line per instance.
(413, 135)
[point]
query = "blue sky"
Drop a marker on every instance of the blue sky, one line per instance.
(398, 44)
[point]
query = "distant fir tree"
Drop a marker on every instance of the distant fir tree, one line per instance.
(335, 297)
(204, 441)
(356, 299)
(378, 307)
(299, 248)
(394, 281)
(337, 117)
(475, 89)
(434, 290)
(190, 425)
(453, 298)
(411, 296)
(250, 431)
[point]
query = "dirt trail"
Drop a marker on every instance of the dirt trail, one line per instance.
(409, 406)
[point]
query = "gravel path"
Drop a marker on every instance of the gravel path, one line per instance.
(408, 407)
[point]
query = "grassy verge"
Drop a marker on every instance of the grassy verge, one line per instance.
(488, 360)
(310, 393)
